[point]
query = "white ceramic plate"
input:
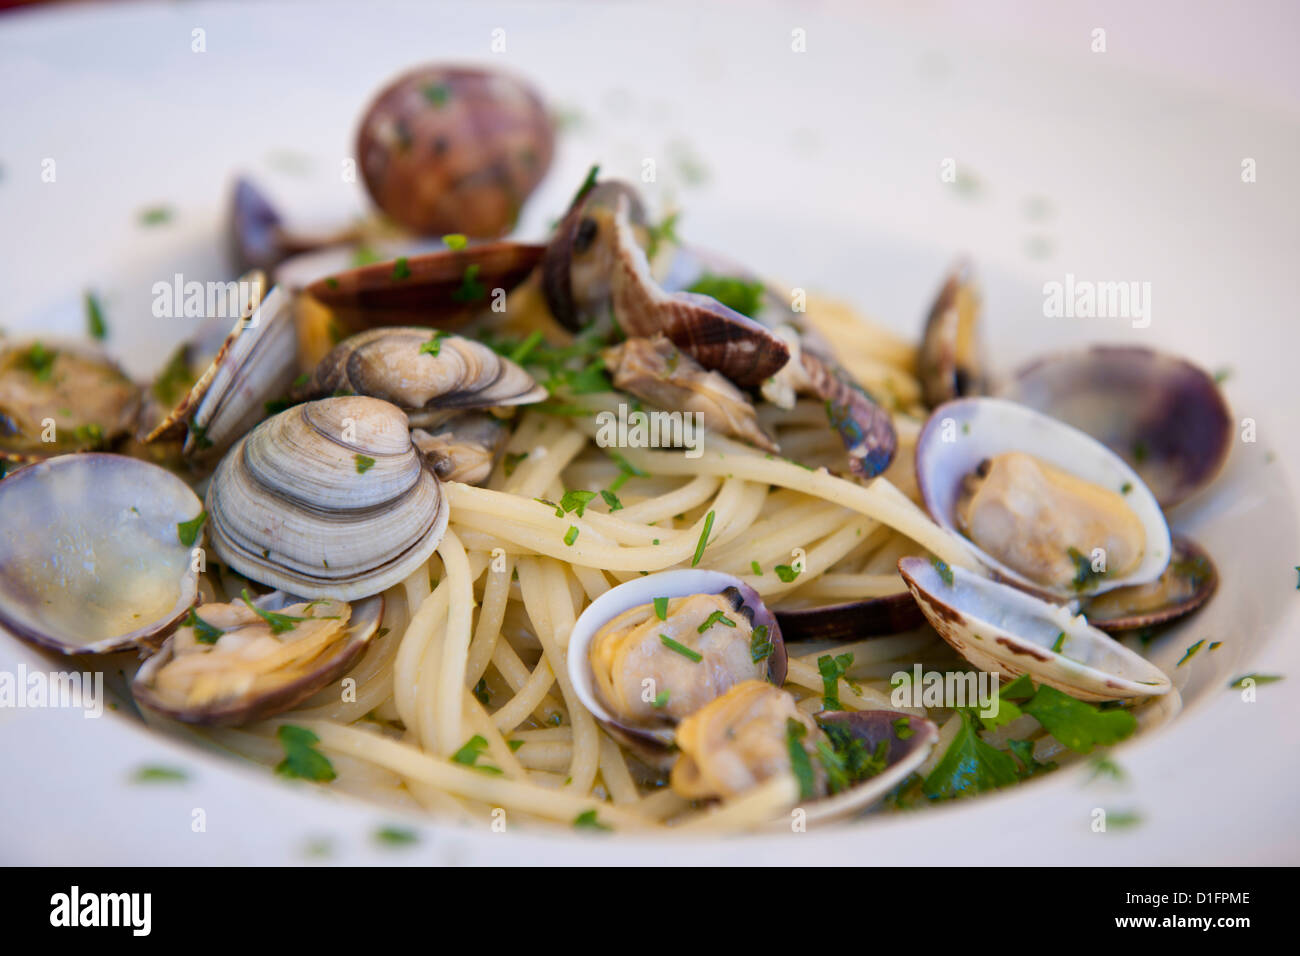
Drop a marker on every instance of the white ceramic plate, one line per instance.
(820, 167)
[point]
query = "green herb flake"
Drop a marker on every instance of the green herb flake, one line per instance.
(661, 700)
(95, 323)
(717, 617)
(40, 361)
(204, 632)
(1059, 643)
(434, 345)
(155, 215)
(943, 570)
(800, 764)
(301, 758)
(969, 766)
(611, 499)
(512, 461)
(396, 836)
(756, 568)
(279, 623)
(704, 539)
(786, 573)
(364, 463)
(1190, 653)
(661, 608)
(1259, 679)
(471, 290)
(576, 501)
(586, 820)
(681, 649)
(737, 294)
(571, 535)
(401, 270)
(1084, 575)
(455, 241)
(188, 531)
(832, 669)
(157, 774)
(469, 754)
(760, 648)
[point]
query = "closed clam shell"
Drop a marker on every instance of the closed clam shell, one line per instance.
(422, 374)
(327, 499)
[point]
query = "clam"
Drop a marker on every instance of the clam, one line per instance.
(444, 287)
(1047, 507)
(455, 149)
(464, 448)
(640, 673)
(951, 362)
(1008, 632)
(1163, 415)
(750, 733)
(328, 499)
(258, 236)
(579, 260)
(1188, 582)
(655, 370)
(61, 397)
(255, 365)
(91, 555)
(428, 374)
(716, 336)
(238, 663)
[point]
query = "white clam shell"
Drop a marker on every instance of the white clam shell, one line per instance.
(962, 433)
(289, 506)
(1008, 632)
(91, 561)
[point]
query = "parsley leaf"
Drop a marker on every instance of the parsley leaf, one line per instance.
(301, 758)
(204, 632)
(188, 531)
(832, 669)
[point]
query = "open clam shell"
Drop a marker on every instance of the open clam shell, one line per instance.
(362, 626)
(255, 365)
(961, 434)
(642, 591)
(1163, 415)
(1005, 631)
(903, 755)
(59, 397)
(427, 376)
(91, 560)
(443, 288)
(328, 499)
(1190, 580)
(578, 263)
(951, 362)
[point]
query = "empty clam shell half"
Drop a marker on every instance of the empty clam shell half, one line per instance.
(230, 687)
(328, 499)
(643, 591)
(1163, 415)
(963, 434)
(1008, 632)
(91, 559)
(256, 364)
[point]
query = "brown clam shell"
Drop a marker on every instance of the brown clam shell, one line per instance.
(1190, 580)
(852, 620)
(441, 288)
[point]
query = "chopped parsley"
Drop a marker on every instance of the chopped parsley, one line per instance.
(717, 617)
(661, 700)
(204, 632)
(526, 347)
(737, 294)
(756, 568)
(760, 648)
(661, 608)
(571, 535)
(188, 531)
(95, 323)
(576, 501)
(155, 215)
(832, 669)
(469, 754)
(301, 758)
(154, 774)
(1190, 653)
(847, 760)
(944, 571)
(396, 836)
(512, 461)
(364, 463)
(1084, 575)
(455, 241)
(611, 499)
(40, 361)
(434, 345)
(280, 623)
(786, 573)
(704, 539)
(681, 649)
(969, 766)
(586, 820)
(438, 94)
(471, 290)
(1257, 678)
(1058, 643)
(800, 765)
(401, 269)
